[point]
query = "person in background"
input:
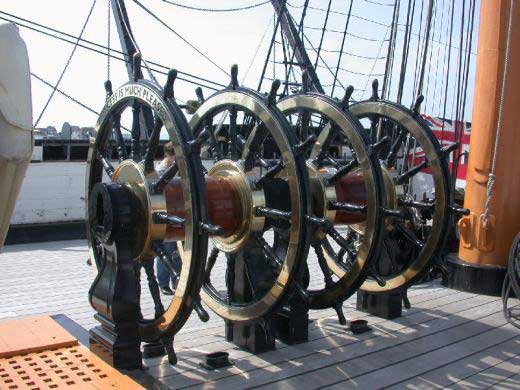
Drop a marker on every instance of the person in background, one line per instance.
(163, 276)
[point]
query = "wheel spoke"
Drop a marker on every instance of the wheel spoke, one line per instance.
(135, 149)
(121, 149)
(167, 260)
(160, 217)
(321, 146)
(343, 171)
(153, 286)
(402, 178)
(254, 140)
(418, 205)
(409, 235)
(327, 275)
(274, 262)
(233, 131)
(153, 142)
(212, 259)
(348, 207)
(172, 170)
(394, 149)
(107, 166)
(271, 173)
(273, 214)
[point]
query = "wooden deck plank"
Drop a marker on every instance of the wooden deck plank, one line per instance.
(436, 356)
(510, 383)
(450, 374)
(290, 362)
(440, 319)
(327, 323)
(409, 345)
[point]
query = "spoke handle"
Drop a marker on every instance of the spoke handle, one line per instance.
(201, 312)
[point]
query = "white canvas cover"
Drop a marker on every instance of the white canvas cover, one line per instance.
(16, 137)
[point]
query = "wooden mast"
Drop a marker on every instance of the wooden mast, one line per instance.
(485, 243)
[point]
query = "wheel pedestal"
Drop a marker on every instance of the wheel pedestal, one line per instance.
(291, 323)
(114, 292)
(387, 306)
(256, 337)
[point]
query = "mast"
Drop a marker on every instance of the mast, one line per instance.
(487, 233)
(291, 33)
(125, 34)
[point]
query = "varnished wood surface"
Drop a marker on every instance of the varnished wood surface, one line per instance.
(448, 339)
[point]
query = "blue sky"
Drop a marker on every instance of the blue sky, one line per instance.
(227, 38)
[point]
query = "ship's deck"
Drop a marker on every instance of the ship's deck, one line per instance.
(447, 339)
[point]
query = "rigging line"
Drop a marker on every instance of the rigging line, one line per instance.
(378, 3)
(275, 30)
(323, 32)
(90, 43)
(320, 57)
(72, 99)
(153, 15)
(192, 8)
(426, 43)
(355, 55)
(437, 57)
(112, 56)
(64, 94)
(427, 89)
(469, 37)
(447, 72)
(340, 13)
(360, 73)
(331, 30)
(366, 89)
(404, 58)
(459, 63)
(342, 47)
(491, 180)
(418, 50)
(390, 51)
(66, 65)
(300, 31)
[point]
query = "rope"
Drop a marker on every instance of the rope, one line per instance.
(331, 30)
(340, 13)
(64, 94)
(153, 15)
(341, 48)
(406, 48)
(366, 89)
(323, 32)
(387, 78)
(102, 47)
(66, 65)
(492, 177)
(426, 44)
(244, 8)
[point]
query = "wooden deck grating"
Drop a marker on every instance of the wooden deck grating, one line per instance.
(448, 339)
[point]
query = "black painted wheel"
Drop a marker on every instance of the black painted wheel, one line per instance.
(417, 184)
(144, 219)
(347, 189)
(255, 150)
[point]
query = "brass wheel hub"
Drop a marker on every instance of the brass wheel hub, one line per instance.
(131, 175)
(249, 199)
